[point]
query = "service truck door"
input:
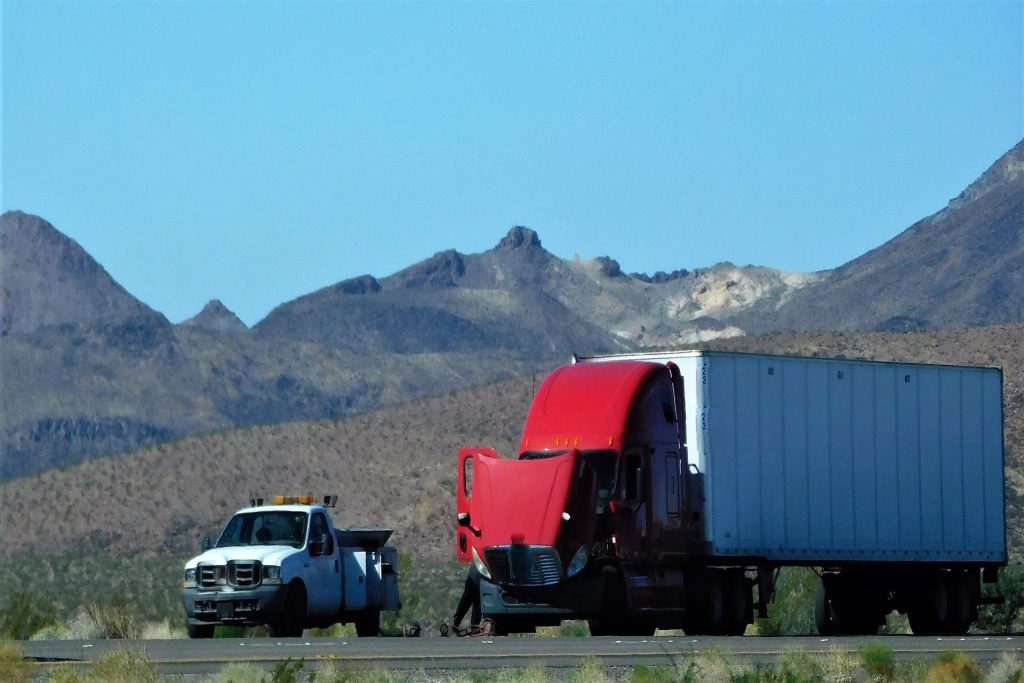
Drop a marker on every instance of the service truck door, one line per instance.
(323, 568)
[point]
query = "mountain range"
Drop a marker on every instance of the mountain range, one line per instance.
(86, 369)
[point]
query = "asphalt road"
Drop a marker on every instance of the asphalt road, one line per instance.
(207, 656)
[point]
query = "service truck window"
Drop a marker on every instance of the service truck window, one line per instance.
(271, 527)
(319, 528)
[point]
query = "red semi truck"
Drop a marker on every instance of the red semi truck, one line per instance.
(666, 490)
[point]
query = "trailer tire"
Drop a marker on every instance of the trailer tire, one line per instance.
(824, 616)
(738, 603)
(368, 624)
(201, 630)
(961, 605)
(293, 619)
(929, 612)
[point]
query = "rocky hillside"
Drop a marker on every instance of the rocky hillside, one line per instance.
(962, 266)
(87, 369)
(394, 466)
(47, 279)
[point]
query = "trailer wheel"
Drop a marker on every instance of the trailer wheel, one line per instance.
(293, 619)
(961, 605)
(824, 617)
(368, 624)
(929, 612)
(738, 603)
(201, 630)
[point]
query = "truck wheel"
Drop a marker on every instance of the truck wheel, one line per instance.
(717, 609)
(929, 612)
(293, 619)
(738, 603)
(201, 630)
(961, 606)
(368, 624)
(823, 613)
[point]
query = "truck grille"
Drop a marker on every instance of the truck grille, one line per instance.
(244, 574)
(237, 573)
(524, 565)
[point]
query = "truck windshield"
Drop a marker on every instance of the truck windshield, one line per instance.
(603, 462)
(271, 527)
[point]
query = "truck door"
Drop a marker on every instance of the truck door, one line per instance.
(465, 527)
(632, 508)
(323, 568)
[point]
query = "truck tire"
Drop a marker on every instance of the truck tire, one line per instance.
(738, 603)
(368, 624)
(961, 604)
(612, 619)
(293, 619)
(201, 630)
(823, 613)
(929, 612)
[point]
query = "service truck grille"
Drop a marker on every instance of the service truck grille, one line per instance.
(524, 565)
(244, 573)
(237, 573)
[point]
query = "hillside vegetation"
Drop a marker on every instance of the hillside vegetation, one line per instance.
(394, 467)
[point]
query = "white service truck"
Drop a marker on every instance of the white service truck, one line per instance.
(284, 564)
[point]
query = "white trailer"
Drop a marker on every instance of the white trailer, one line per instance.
(872, 471)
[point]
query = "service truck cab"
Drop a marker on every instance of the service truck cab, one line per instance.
(285, 565)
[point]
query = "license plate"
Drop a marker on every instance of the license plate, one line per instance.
(225, 610)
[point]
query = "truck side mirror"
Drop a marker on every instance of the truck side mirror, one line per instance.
(207, 543)
(463, 518)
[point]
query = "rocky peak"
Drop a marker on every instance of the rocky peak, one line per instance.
(519, 237)
(46, 278)
(609, 267)
(364, 284)
(440, 270)
(216, 316)
(1007, 169)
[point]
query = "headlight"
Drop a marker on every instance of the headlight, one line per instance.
(271, 574)
(480, 566)
(190, 578)
(578, 562)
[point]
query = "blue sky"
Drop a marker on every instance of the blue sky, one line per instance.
(256, 151)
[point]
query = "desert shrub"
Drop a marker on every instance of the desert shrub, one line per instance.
(287, 671)
(1010, 584)
(567, 629)
(79, 626)
(840, 666)
(13, 665)
(799, 666)
(1008, 669)
(23, 614)
(955, 667)
(113, 619)
(590, 670)
(123, 665)
(240, 672)
(651, 674)
(879, 661)
(791, 612)
(228, 631)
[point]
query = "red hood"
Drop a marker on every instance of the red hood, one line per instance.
(521, 501)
